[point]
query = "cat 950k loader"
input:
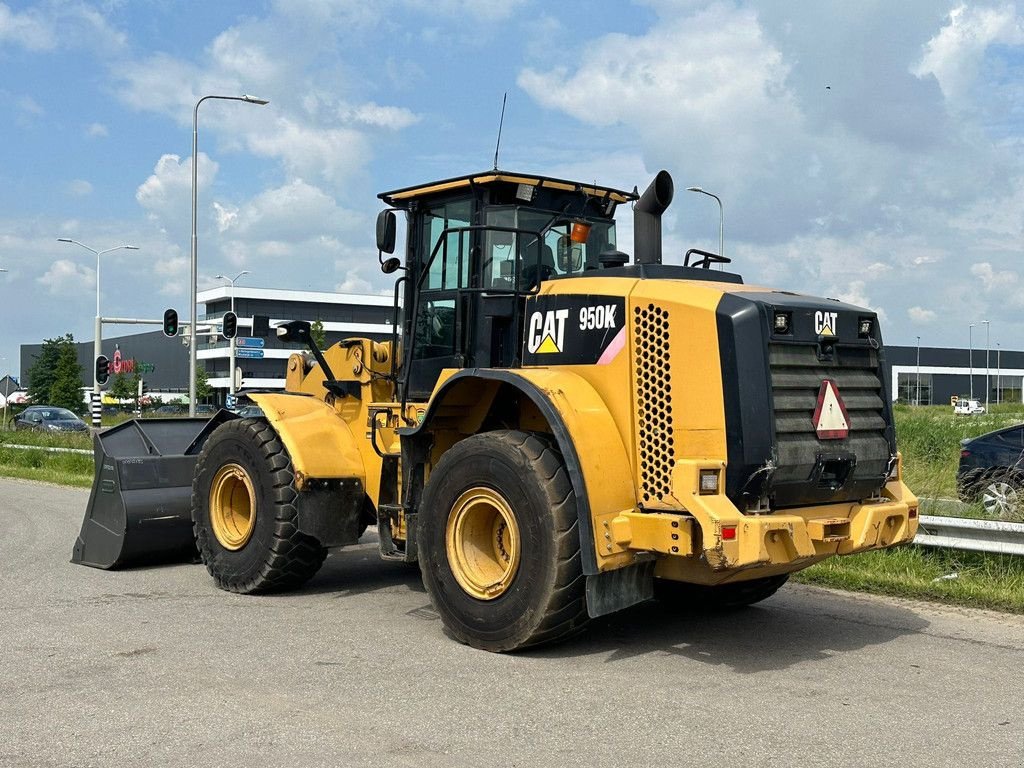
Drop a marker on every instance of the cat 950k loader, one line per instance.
(553, 433)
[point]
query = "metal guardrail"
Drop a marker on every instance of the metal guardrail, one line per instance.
(993, 536)
(47, 448)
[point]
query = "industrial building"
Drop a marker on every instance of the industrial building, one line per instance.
(924, 375)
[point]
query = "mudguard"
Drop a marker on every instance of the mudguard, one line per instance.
(595, 457)
(319, 441)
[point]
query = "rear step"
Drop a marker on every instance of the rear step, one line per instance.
(140, 507)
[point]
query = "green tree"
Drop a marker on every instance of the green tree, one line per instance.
(124, 386)
(66, 390)
(43, 372)
(203, 389)
(316, 331)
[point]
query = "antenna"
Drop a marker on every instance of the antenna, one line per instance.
(500, 123)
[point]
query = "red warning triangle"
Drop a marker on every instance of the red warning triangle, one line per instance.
(830, 419)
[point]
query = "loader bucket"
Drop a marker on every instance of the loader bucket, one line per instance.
(140, 507)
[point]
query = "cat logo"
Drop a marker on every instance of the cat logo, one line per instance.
(825, 323)
(546, 333)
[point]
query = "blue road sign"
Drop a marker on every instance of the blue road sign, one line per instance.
(249, 353)
(249, 341)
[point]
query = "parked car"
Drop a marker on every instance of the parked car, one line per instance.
(205, 410)
(992, 472)
(967, 407)
(250, 412)
(48, 418)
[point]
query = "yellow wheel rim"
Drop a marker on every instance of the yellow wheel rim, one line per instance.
(232, 506)
(482, 542)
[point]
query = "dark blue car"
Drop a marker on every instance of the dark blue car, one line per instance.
(992, 472)
(47, 418)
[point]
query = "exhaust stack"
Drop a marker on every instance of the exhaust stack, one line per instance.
(647, 219)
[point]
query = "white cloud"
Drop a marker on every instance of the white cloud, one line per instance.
(953, 56)
(921, 316)
(66, 278)
(332, 153)
(168, 191)
(29, 29)
(96, 131)
(58, 25)
(353, 283)
(376, 115)
(993, 279)
(78, 188)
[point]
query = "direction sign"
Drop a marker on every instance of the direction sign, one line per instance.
(249, 353)
(249, 341)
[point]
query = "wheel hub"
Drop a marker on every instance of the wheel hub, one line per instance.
(1001, 499)
(482, 542)
(232, 507)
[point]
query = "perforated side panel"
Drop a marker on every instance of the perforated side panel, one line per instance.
(654, 400)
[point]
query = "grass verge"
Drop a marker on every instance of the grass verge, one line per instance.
(972, 579)
(62, 468)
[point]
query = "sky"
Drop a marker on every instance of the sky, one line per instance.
(868, 151)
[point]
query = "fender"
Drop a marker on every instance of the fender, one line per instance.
(595, 457)
(319, 441)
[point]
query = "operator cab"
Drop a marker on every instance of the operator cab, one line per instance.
(476, 247)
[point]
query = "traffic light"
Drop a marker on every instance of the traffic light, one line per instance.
(170, 323)
(260, 326)
(102, 369)
(229, 328)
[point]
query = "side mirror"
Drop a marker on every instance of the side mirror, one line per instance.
(390, 265)
(570, 255)
(294, 332)
(386, 228)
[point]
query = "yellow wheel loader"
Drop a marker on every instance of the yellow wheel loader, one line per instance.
(552, 432)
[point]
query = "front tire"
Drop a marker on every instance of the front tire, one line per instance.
(244, 512)
(499, 543)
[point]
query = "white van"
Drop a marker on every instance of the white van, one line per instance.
(968, 407)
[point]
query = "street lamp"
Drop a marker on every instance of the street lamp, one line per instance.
(721, 217)
(988, 347)
(970, 353)
(231, 341)
(96, 345)
(193, 294)
(918, 398)
(999, 372)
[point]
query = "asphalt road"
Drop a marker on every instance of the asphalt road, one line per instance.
(157, 667)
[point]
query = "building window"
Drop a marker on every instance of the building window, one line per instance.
(913, 390)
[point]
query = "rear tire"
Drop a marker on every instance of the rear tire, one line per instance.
(244, 514)
(725, 597)
(499, 546)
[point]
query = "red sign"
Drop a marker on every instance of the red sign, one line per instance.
(831, 421)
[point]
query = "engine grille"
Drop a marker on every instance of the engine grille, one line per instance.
(654, 400)
(796, 374)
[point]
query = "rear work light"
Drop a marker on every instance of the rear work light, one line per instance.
(783, 322)
(708, 481)
(865, 326)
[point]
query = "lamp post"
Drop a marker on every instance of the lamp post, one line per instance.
(918, 398)
(7, 390)
(999, 372)
(721, 217)
(98, 334)
(231, 341)
(970, 354)
(988, 347)
(193, 293)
